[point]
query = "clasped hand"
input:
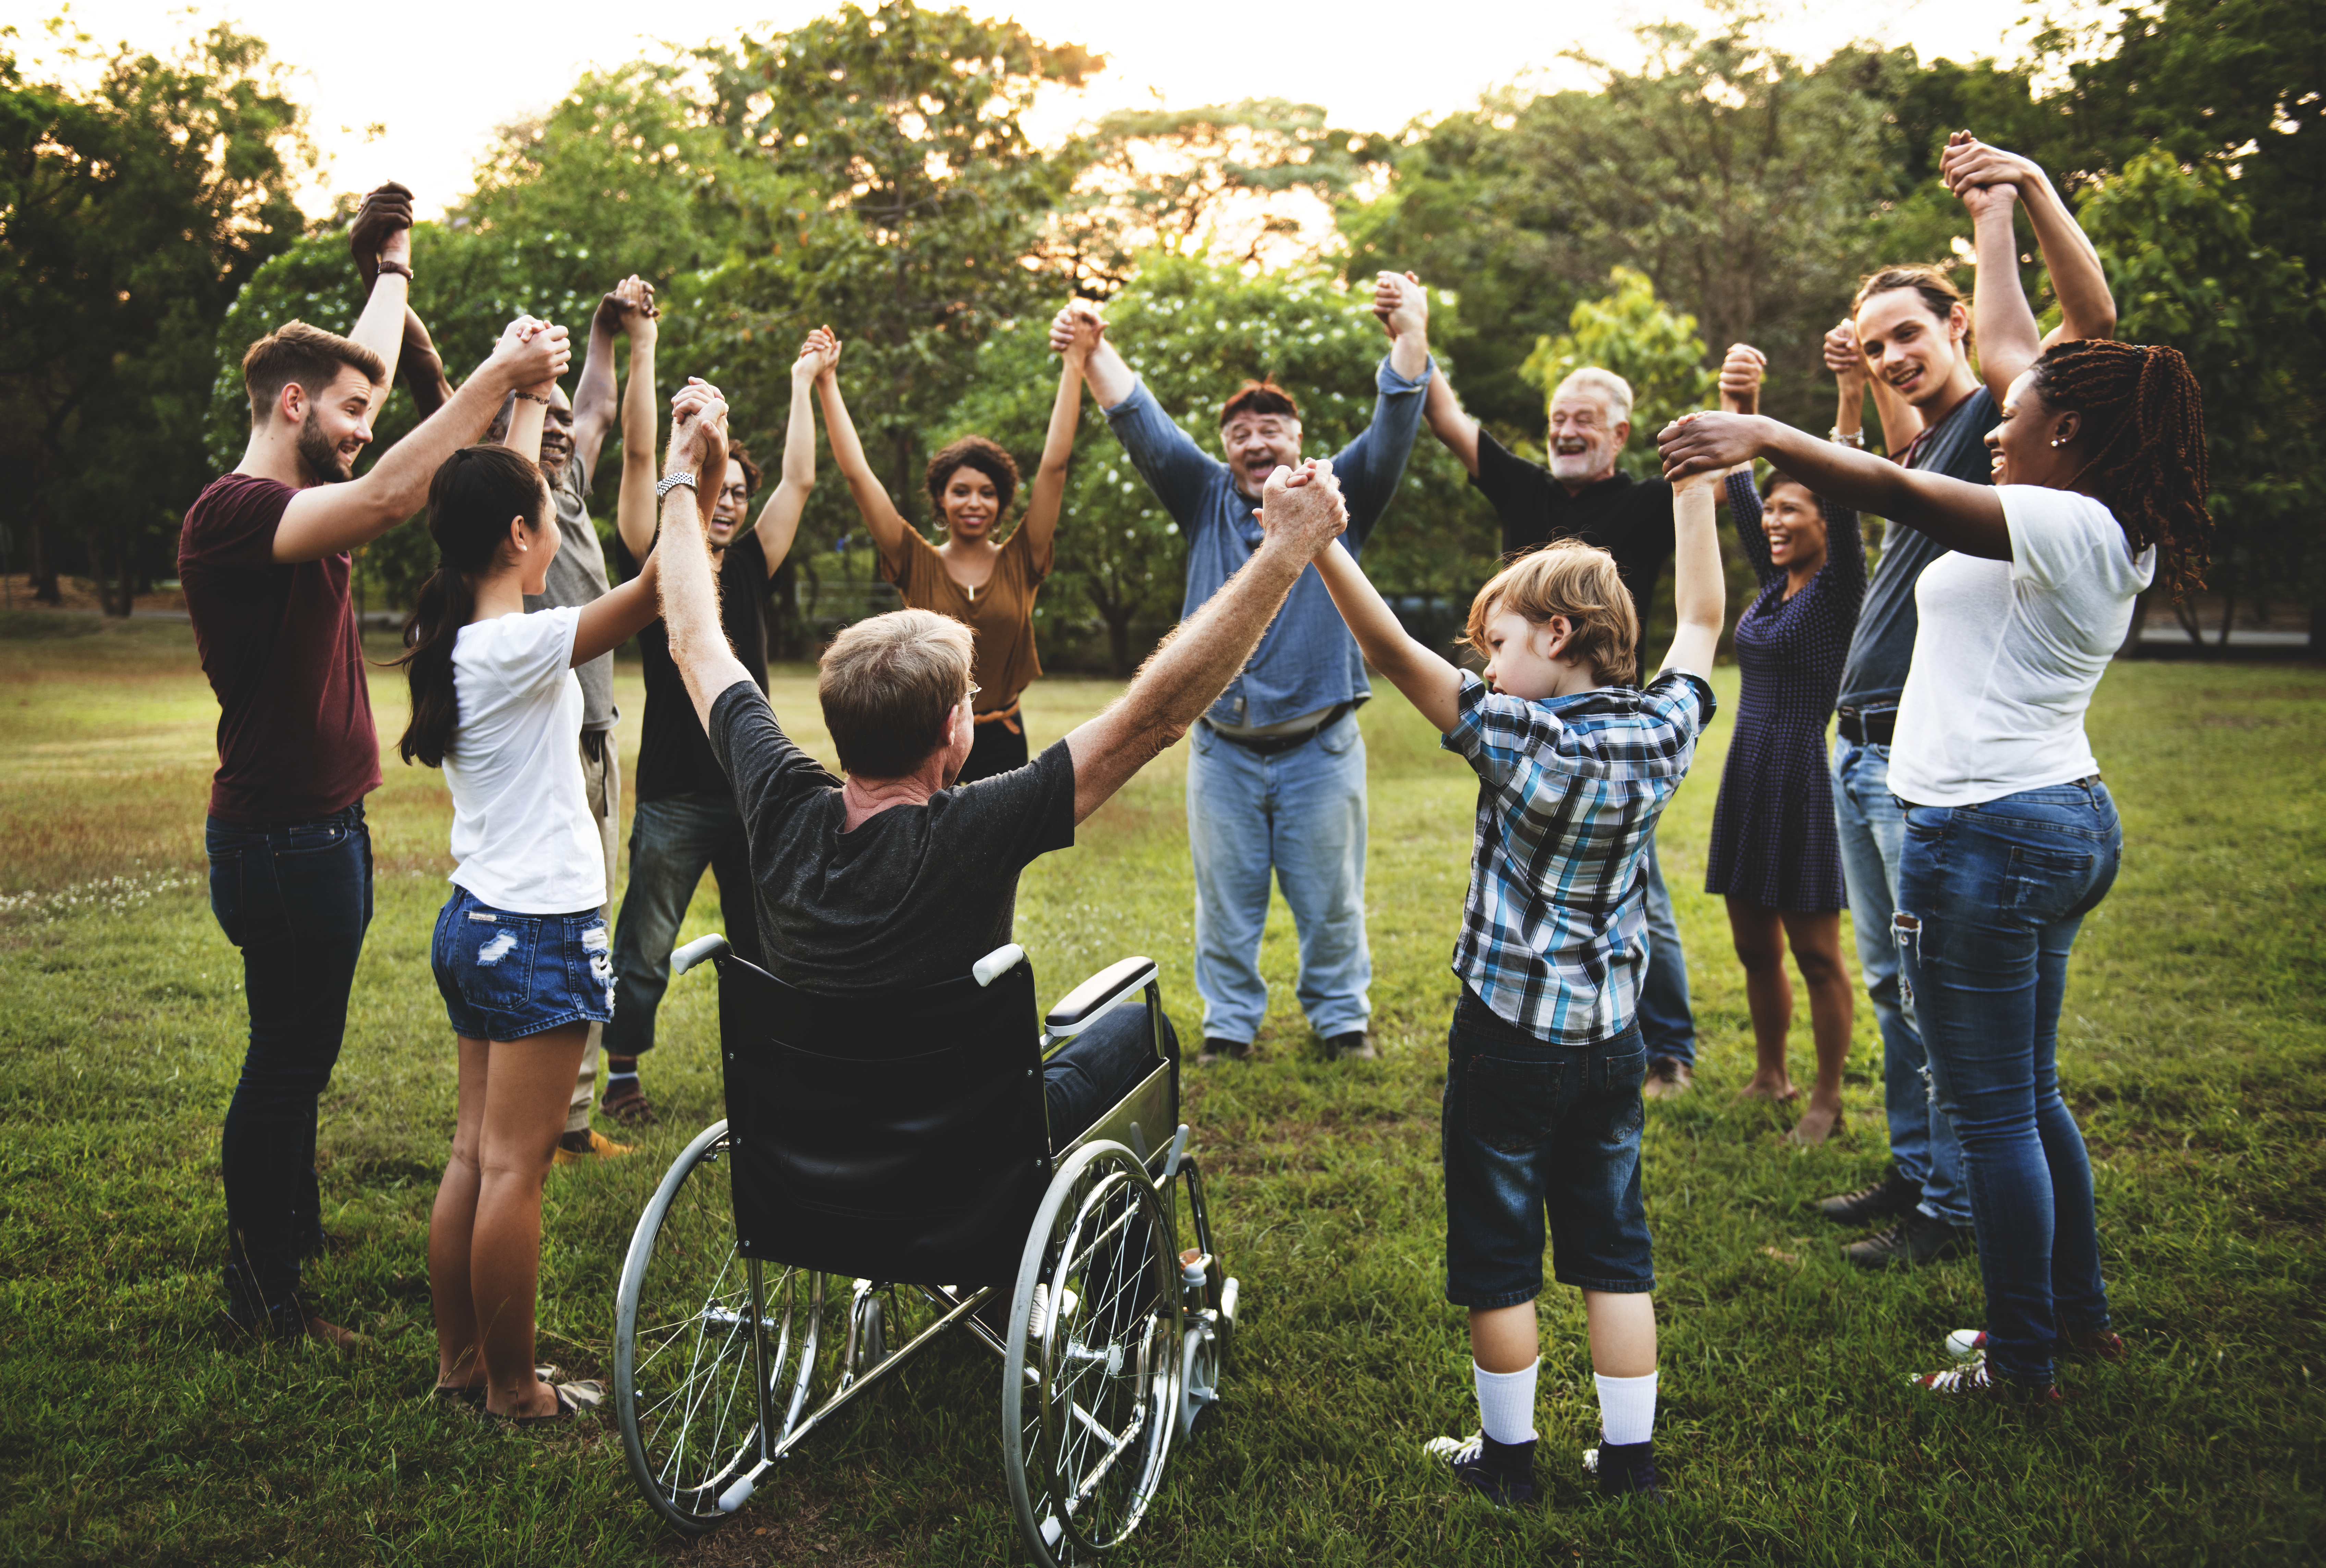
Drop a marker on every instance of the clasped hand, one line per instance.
(1303, 506)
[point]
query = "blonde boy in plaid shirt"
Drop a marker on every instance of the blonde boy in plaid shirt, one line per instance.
(1542, 1109)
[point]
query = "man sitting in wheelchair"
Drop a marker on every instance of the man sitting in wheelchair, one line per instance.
(891, 879)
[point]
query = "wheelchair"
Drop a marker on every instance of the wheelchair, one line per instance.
(873, 1147)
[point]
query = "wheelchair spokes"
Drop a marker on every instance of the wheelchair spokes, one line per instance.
(713, 1348)
(1091, 1382)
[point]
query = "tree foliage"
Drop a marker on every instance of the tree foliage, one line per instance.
(131, 214)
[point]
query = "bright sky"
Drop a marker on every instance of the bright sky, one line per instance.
(441, 74)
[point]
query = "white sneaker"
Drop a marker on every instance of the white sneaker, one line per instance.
(1966, 1344)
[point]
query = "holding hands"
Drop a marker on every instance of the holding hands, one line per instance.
(382, 231)
(1078, 329)
(1740, 378)
(628, 305)
(1846, 360)
(1402, 303)
(1303, 506)
(819, 357)
(698, 442)
(1709, 445)
(531, 355)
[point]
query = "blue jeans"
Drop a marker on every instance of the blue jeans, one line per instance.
(1301, 813)
(1989, 900)
(296, 898)
(1531, 1129)
(1666, 1022)
(672, 840)
(1871, 827)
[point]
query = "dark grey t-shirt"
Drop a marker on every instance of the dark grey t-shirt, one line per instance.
(577, 575)
(910, 897)
(1883, 646)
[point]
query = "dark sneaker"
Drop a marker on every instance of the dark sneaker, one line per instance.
(1356, 1046)
(1625, 1469)
(1977, 1380)
(1224, 1051)
(2075, 1345)
(288, 1326)
(1668, 1077)
(629, 1106)
(1916, 1239)
(1887, 1199)
(1500, 1473)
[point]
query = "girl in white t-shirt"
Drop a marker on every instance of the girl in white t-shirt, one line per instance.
(2010, 836)
(520, 951)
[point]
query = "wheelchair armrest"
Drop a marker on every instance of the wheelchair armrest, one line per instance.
(1082, 1006)
(714, 946)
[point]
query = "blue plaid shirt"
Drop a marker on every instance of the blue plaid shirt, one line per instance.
(1554, 932)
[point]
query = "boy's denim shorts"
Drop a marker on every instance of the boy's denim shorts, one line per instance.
(1531, 1129)
(504, 976)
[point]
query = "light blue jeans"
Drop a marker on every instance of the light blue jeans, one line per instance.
(1300, 813)
(1666, 1023)
(1872, 828)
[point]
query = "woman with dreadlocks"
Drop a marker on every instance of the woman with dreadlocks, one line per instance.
(2011, 838)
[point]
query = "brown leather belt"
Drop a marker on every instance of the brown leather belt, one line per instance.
(1861, 728)
(1005, 717)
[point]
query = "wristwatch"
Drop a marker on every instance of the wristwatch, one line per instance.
(1856, 438)
(664, 486)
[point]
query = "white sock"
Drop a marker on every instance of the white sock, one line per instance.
(1627, 1408)
(1506, 1402)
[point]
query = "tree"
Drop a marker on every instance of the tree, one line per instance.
(130, 216)
(2189, 269)
(1631, 333)
(1195, 330)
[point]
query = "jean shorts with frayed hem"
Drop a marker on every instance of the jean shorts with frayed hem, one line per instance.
(1532, 1130)
(504, 976)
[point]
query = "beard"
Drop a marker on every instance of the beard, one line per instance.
(320, 455)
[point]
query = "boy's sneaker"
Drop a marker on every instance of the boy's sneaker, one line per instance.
(2075, 1345)
(627, 1103)
(589, 1144)
(1625, 1469)
(1977, 1380)
(1891, 1196)
(1500, 1473)
(1916, 1239)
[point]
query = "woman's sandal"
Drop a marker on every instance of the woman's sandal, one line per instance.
(573, 1398)
(473, 1395)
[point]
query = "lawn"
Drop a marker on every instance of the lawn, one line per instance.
(2192, 1045)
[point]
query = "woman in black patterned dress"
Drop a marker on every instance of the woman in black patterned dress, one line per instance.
(1774, 856)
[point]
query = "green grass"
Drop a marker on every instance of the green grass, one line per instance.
(2192, 1047)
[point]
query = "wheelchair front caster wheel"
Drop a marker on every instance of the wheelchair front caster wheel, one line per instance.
(1199, 1375)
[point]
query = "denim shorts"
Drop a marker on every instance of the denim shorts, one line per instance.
(1533, 1129)
(504, 976)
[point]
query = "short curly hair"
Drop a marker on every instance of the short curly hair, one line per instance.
(1566, 578)
(973, 452)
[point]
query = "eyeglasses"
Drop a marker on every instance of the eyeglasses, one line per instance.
(973, 689)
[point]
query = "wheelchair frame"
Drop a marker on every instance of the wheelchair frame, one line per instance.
(1084, 1461)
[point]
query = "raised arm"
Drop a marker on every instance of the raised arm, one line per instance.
(689, 591)
(382, 233)
(1174, 468)
(1745, 508)
(2008, 339)
(1455, 429)
(633, 501)
(1429, 681)
(1049, 487)
(1699, 589)
(423, 367)
(326, 519)
(1370, 466)
(873, 503)
(778, 523)
(619, 614)
(1110, 379)
(595, 404)
(1958, 515)
(2087, 307)
(1301, 513)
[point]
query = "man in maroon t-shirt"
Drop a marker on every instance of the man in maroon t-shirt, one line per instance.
(264, 553)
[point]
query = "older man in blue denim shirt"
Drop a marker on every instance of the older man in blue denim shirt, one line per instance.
(1276, 777)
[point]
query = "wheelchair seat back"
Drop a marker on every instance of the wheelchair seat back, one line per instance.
(891, 1135)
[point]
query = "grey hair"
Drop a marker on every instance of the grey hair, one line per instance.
(1606, 384)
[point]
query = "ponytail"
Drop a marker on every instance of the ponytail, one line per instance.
(2144, 417)
(475, 493)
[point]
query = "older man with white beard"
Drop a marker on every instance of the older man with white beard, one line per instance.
(1582, 496)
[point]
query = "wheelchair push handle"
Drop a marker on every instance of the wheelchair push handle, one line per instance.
(701, 948)
(1082, 1006)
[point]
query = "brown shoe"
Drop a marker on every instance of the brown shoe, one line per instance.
(1668, 1077)
(285, 1327)
(1356, 1046)
(589, 1144)
(629, 1106)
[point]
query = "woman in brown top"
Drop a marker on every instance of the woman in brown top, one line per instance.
(988, 585)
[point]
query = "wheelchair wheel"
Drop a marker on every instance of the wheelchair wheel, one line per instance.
(710, 1348)
(1090, 1392)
